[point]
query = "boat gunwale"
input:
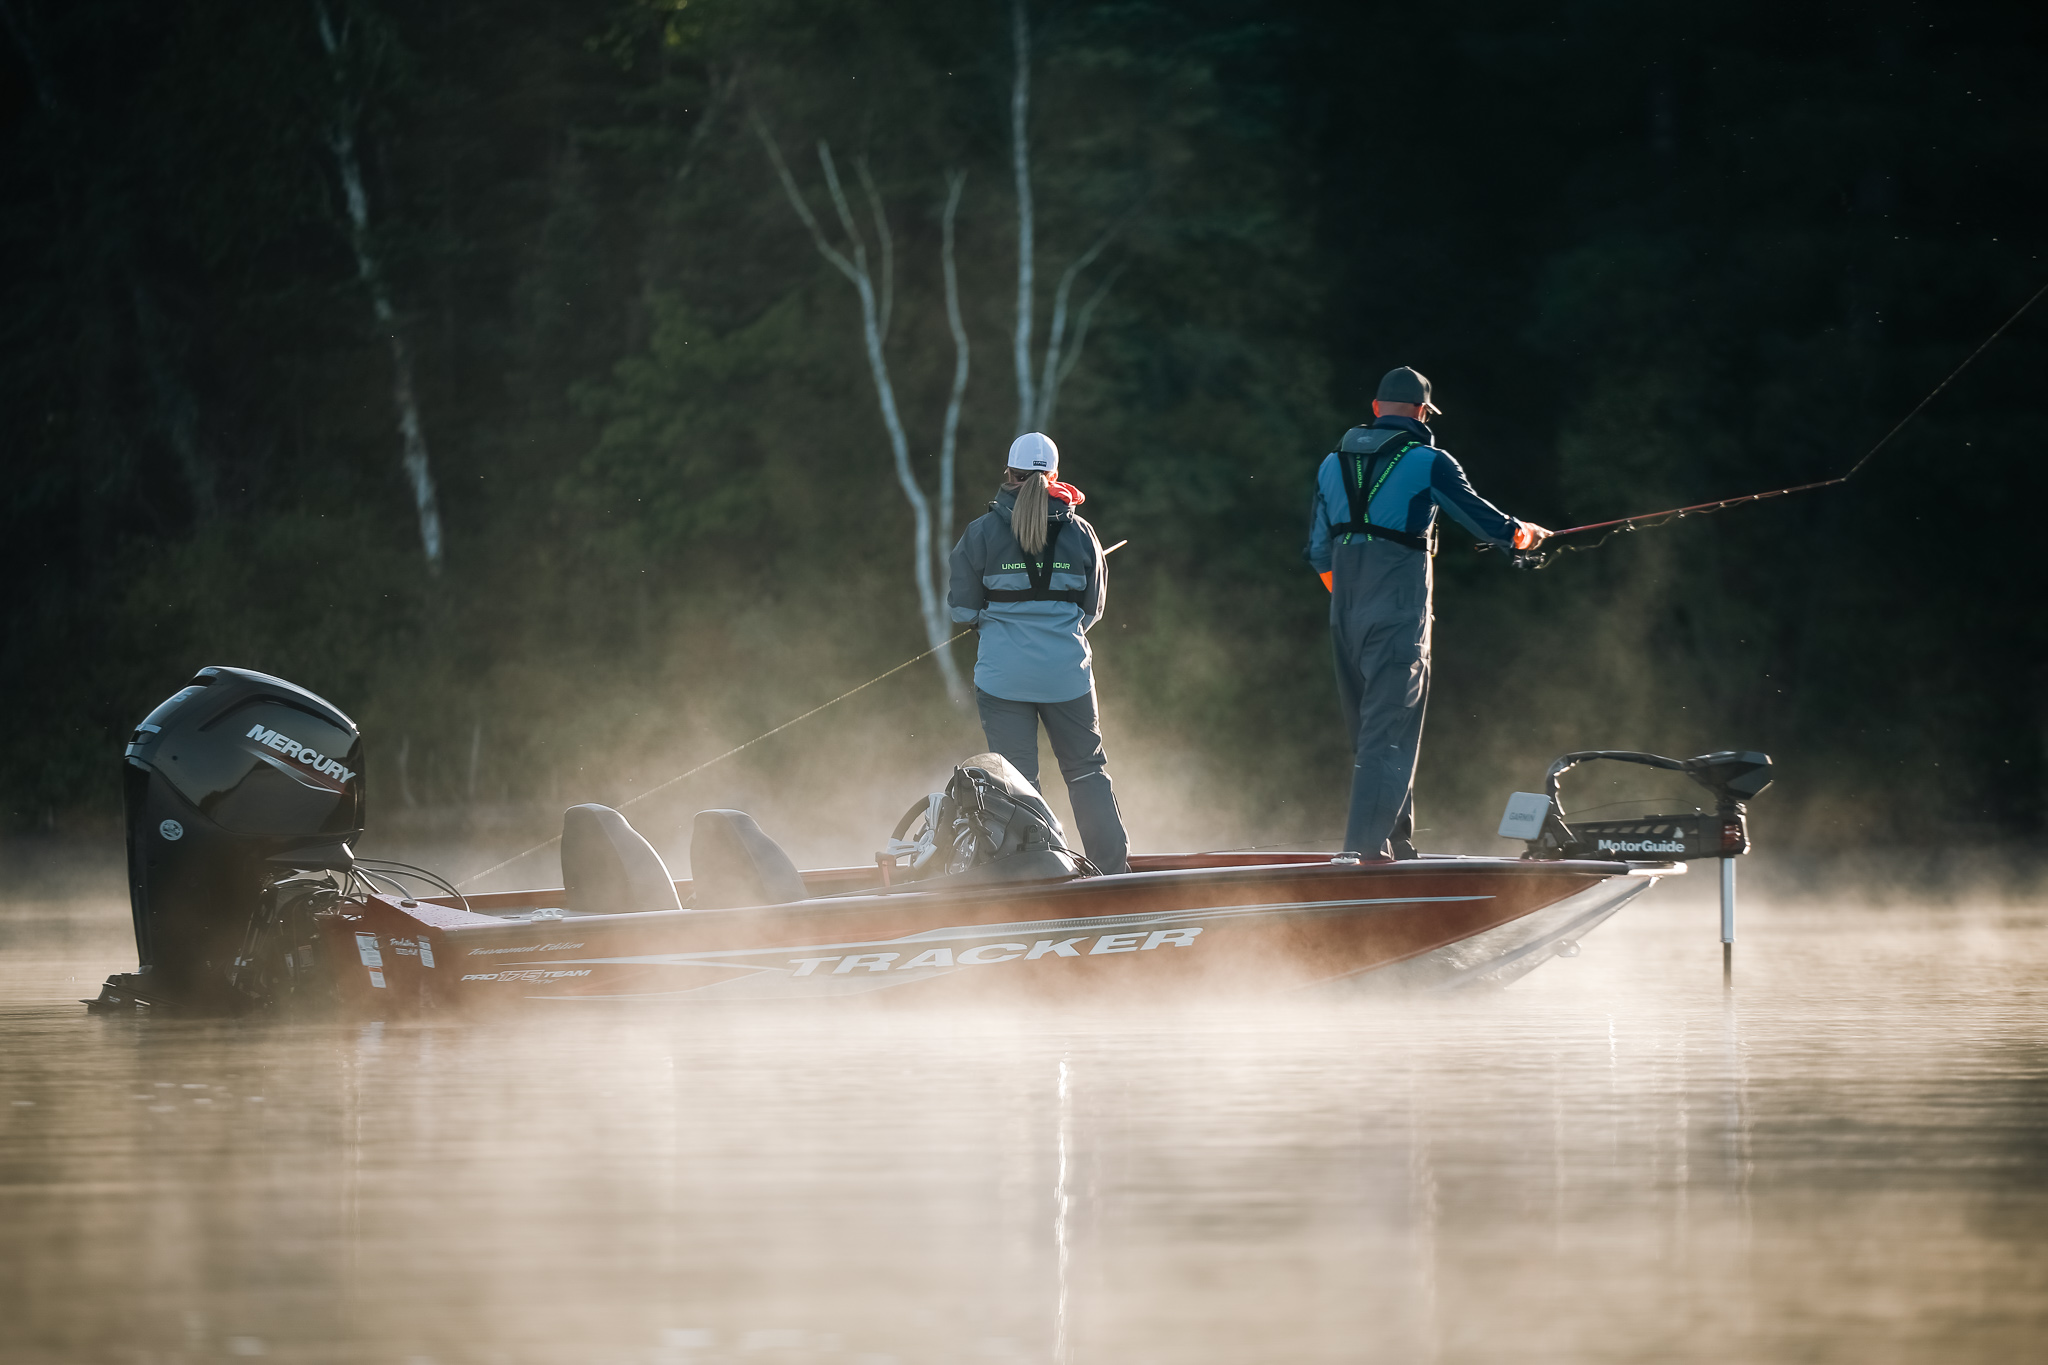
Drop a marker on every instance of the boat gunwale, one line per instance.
(869, 899)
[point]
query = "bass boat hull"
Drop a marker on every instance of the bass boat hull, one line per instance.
(1208, 925)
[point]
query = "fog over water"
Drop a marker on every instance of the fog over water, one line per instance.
(1846, 1159)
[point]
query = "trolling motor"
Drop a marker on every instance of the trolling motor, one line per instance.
(242, 792)
(1735, 777)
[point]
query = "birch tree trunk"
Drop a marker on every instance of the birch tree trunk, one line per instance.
(1036, 400)
(949, 436)
(875, 306)
(412, 434)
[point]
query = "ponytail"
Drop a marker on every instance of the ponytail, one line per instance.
(1033, 515)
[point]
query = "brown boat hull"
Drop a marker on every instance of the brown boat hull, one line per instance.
(1183, 927)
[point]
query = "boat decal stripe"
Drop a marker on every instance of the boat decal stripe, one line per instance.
(964, 932)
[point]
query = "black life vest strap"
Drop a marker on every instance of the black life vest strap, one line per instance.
(1359, 487)
(1379, 532)
(1040, 575)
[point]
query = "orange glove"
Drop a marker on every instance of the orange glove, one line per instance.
(1328, 586)
(1528, 535)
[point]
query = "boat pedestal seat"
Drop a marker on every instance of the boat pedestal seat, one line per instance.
(608, 869)
(732, 863)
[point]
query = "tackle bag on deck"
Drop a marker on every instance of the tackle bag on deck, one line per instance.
(990, 821)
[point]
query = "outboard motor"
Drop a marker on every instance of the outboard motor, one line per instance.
(235, 788)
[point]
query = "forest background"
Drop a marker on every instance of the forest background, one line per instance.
(475, 366)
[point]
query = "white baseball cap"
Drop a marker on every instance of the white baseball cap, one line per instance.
(1034, 451)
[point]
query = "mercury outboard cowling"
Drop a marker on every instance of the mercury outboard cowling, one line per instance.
(234, 787)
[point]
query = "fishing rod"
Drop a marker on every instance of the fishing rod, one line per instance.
(1541, 557)
(476, 877)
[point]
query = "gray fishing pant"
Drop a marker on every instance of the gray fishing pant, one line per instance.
(1379, 625)
(1012, 730)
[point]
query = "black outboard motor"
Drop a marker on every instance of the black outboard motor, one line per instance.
(234, 787)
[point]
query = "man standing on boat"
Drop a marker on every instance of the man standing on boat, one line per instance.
(1371, 535)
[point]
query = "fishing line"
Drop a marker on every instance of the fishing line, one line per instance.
(765, 734)
(1647, 521)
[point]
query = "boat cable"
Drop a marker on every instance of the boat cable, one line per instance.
(370, 879)
(765, 734)
(387, 867)
(1542, 557)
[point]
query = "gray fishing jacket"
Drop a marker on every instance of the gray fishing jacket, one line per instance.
(1032, 650)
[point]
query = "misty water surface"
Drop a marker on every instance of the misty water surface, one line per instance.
(1845, 1160)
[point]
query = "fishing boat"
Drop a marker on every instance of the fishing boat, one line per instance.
(245, 793)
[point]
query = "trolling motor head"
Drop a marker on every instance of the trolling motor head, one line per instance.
(1733, 776)
(236, 783)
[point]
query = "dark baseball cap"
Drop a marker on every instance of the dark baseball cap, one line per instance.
(1406, 385)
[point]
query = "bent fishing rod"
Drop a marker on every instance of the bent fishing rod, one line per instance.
(1541, 557)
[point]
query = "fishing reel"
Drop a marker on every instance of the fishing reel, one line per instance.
(1735, 777)
(1536, 557)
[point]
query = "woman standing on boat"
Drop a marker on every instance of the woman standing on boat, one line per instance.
(1029, 576)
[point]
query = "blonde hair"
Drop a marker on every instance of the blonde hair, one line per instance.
(1031, 520)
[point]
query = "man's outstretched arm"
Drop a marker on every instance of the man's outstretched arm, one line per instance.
(1454, 493)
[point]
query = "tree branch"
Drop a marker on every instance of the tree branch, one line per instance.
(1055, 333)
(1081, 322)
(796, 201)
(931, 603)
(888, 240)
(722, 88)
(860, 245)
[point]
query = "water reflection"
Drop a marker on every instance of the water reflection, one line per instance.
(1845, 1159)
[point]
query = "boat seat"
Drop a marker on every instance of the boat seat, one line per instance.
(733, 863)
(608, 869)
